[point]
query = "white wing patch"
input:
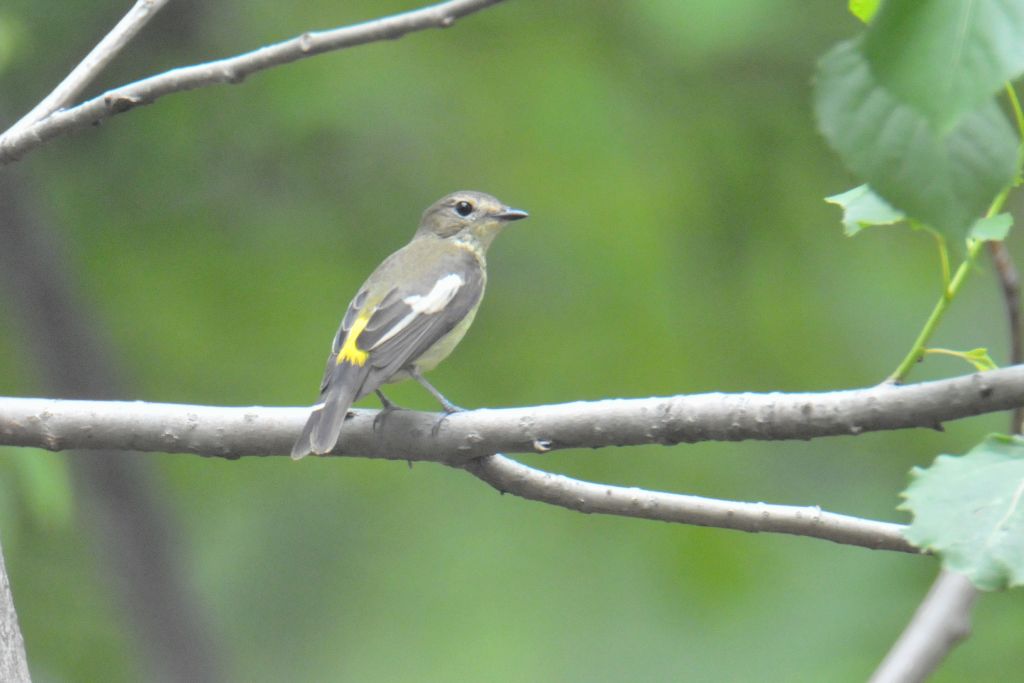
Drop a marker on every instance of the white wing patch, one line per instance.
(434, 301)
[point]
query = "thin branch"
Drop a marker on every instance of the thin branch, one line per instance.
(1009, 280)
(14, 144)
(232, 432)
(509, 476)
(942, 620)
(94, 62)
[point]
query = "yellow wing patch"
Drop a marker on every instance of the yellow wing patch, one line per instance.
(349, 351)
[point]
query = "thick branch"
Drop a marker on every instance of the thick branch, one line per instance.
(16, 143)
(463, 437)
(13, 662)
(234, 432)
(942, 621)
(259, 428)
(509, 476)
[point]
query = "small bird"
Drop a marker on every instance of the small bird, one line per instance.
(410, 313)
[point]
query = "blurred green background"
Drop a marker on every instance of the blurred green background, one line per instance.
(678, 243)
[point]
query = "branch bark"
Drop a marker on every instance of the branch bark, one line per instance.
(942, 620)
(464, 437)
(509, 476)
(232, 432)
(13, 662)
(20, 140)
(1009, 281)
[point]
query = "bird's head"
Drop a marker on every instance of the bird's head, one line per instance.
(473, 217)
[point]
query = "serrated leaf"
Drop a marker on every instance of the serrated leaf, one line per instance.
(862, 208)
(944, 178)
(863, 9)
(992, 228)
(970, 511)
(946, 58)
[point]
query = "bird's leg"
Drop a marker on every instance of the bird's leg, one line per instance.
(389, 407)
(448, 406)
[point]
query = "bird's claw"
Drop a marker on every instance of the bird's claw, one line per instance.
(449, 409)
(382, 415)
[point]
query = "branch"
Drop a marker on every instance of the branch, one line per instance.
(17, 142)
(232, 432)
(942, 621)
(407, 435)
(94, 62)
(13, 662)
(943, 618)
(252, 429)
(1009, 280)
(509, 476)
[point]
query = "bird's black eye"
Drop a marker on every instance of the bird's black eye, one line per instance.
(463, 208)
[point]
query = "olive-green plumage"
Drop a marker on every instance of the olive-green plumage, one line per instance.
(410, 313)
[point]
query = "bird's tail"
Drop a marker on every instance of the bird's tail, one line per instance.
(341, 388)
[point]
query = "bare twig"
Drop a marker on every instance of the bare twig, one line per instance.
(237, 431)
(1009, 280)
(942, 621)
(14, 144)
(94, 62)
(509, 476)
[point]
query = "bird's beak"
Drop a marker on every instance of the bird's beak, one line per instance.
(509, 214)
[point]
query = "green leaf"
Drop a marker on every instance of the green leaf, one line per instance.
(862, 208)
(970, 511)
(863, 9)
(944, 178)
(993, 228)
(979, 357)
(946, 58)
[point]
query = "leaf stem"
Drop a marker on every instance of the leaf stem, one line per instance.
(1018, 114)
(952, 288)
(949, 292)
(940, 241)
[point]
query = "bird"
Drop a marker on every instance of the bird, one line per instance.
(410, 313)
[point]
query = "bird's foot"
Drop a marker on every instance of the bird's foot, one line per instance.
(389, 407)
(449, 409)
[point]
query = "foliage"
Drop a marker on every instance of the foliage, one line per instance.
(968, 510)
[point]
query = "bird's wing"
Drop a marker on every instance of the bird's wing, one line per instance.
(400, 331)
(408, 320)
